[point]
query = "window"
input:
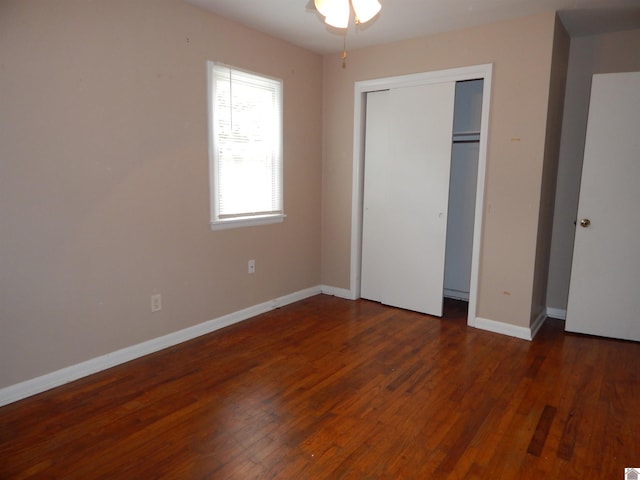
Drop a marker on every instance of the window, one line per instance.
(245, 147)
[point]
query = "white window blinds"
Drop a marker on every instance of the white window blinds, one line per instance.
(246, 131)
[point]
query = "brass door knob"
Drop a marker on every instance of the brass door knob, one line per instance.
(585, 222)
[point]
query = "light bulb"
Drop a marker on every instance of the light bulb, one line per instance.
(336, 12)
(365, 9)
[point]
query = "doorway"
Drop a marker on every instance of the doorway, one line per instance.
(481, 72)
(603, 298)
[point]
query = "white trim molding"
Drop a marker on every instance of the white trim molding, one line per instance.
(523, 333)
(558, 313)
(338, 292)
(537, 324)
(25, 389)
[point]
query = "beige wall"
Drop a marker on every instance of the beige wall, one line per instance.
(607, 53)
(104, 178)
(558, 80)
(521, 52)
(104, 171)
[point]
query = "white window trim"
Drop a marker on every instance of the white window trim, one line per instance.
(240, 221)
(247, 222)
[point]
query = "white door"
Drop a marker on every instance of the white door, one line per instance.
(604, 295)
(406, 187)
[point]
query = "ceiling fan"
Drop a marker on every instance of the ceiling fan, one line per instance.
(337, 12)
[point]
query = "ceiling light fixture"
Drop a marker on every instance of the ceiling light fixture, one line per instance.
(337, 12)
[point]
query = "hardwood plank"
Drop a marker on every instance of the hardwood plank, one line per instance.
(461, 435)
(336, 389)
(542, 430)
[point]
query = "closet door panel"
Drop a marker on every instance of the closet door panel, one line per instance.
(407, 165)
(375, 212)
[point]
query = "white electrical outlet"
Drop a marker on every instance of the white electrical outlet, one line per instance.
(251, 266)
(156, 303)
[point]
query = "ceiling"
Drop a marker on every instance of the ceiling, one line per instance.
(297, 21)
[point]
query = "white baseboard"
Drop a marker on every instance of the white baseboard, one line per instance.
(559, 313)
(511, 330)
(25, 389)
(456, 294)
(337, 292)
(537, 324)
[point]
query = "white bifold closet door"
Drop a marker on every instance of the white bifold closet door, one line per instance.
(408, 143)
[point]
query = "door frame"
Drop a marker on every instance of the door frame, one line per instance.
(483, 72)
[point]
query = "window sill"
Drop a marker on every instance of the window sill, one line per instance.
(246, 222)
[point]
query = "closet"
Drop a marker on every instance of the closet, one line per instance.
(462, 188)
(420, 175)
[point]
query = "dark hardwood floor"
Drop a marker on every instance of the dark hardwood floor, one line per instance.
(329, 388)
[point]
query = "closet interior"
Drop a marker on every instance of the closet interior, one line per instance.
(462, 188)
